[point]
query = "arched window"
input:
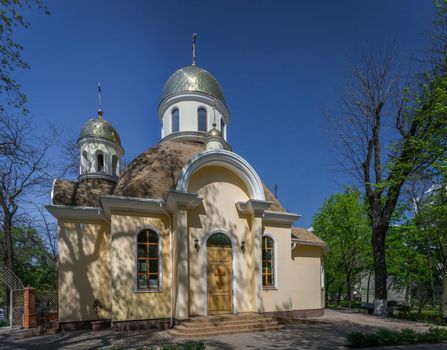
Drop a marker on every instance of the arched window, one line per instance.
(100, 163)
(175, 120)
(268, 262)
(202, 119)
(148, 260)
(115, 165)
(222, 127)
(85, 161)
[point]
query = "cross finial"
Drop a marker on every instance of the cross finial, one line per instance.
(275, 189)
(99, 100)
(194, 36)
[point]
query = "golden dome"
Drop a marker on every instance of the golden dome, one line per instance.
(194, 79)
(98, 127)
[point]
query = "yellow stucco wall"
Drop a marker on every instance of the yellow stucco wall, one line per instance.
(221, 189)
(98, 260)
(83, 270)
(298, 275)
(127, 303)
(306, 265)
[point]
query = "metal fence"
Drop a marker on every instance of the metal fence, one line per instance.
(46, 308)
(16, 308)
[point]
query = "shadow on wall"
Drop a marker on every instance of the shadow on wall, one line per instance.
(221, 190)
(128, 303)
(85, 266)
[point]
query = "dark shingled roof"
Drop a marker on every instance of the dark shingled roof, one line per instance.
(301, 234)
(86, 193)
(151, 175)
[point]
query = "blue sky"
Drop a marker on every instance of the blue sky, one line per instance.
(279, 63)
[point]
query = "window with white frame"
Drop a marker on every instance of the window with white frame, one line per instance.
(202, 119)
(268, 262)
(175, 120)
(148, 260)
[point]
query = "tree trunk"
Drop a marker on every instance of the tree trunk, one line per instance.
(349, 291)
(380, 275)
(368, 286)
(444, 293)
(9, 251)
(430, 270)
(339, 296)
(407, 294)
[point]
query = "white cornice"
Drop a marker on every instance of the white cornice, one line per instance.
(76, 213)
(180, 198)
(111, 202)
(312, 244)
(253, 206)
(280, 217)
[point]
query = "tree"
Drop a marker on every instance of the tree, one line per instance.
(431, 219)
(385, 134)
(23, 170)
(11, 17)
(342, 222)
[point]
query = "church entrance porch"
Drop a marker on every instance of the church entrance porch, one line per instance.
(219, 274)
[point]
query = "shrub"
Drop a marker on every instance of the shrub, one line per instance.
(194, 346)
(384, 337)
(171, 347)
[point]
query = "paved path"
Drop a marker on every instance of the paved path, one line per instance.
(327, 332)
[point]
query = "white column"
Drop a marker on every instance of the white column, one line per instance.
(181, 263)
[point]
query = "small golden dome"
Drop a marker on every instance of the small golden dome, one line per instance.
(214, 132)
(98, 127)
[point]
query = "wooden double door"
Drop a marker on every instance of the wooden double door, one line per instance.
(219, 270)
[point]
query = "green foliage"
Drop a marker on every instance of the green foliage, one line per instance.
(342, 222)
(171, 347)
(33, 263)
(193, 345)
(11, 18)
(384, 337)
(200, 345)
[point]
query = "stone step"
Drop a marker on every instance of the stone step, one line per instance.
(221, 318)
(225, 327)
(218, 331)
(206, 323)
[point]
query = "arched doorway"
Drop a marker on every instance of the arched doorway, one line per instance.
(219, 274)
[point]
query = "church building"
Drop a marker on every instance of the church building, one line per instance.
(187, 229)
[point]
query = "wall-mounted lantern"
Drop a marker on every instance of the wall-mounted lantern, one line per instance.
(196, 245)
(243, 246)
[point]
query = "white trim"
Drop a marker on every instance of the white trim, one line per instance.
(76, 213)
(196, 96)
(173, 109)
(275, 260)
(204, 107)
(136, 204)
(52, 192)
(234, 265)
(322, 273)
(228, 160)
(322, 245)
(160, 264)
(280, 217)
